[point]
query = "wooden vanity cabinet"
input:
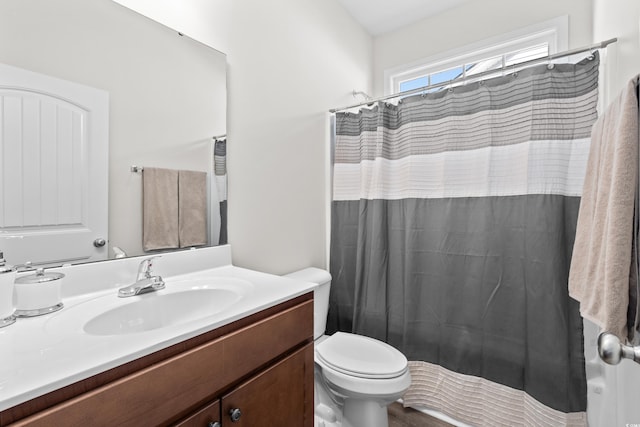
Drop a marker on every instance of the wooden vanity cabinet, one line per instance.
(261, 366)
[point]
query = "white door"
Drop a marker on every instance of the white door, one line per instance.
(54, 137)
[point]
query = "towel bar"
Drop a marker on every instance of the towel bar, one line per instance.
(612, 351)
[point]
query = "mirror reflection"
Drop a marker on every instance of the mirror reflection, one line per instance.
(165, 100)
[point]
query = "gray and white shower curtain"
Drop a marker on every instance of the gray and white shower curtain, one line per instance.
(453, 220)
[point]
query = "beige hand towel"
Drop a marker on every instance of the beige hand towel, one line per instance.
(599, 275)
(159, 209)
(192, 206)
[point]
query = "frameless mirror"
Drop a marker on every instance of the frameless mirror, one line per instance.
(166, 100)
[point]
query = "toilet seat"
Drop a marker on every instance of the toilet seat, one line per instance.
(361, 357)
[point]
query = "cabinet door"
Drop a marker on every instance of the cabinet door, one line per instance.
(281, 395)
(205, 417)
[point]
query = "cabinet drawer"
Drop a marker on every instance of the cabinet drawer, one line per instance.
(204, 417)
(169, 390)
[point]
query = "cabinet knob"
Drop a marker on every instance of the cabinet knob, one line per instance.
(235, 414)
(214, 424)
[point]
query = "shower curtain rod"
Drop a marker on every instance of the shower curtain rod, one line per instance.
(371, 101)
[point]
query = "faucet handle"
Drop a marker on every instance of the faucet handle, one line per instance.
(146, 266)
(27, 266)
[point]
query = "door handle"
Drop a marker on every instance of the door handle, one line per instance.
(612, 351)
(99, 242)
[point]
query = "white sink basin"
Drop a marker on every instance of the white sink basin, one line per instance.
(179, 303)
(153, 311)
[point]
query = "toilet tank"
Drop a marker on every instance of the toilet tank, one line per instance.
(320, 295)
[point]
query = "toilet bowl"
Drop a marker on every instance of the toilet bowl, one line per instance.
(356, 377)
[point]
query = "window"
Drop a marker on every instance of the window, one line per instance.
(494, 54)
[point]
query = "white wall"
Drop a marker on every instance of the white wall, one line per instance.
(204, 20)
(471, 22)
(289, 62)
(621, 19)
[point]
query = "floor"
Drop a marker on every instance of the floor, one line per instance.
(407, 417)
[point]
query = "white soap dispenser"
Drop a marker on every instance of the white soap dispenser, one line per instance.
(7, 306)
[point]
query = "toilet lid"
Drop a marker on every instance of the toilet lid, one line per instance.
(361, 356)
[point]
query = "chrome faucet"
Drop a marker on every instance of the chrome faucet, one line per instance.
(145, 282)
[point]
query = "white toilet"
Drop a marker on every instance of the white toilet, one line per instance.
(356, 377)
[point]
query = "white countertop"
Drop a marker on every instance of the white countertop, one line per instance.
(41, 354)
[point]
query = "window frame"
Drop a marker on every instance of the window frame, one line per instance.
(554, 32)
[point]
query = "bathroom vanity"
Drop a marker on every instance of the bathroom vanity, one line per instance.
(248, 364)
